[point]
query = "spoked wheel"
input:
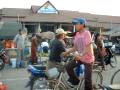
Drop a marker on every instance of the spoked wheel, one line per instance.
(40, 84)
(65, 85)
(62, 83)
(116, 77)
(61, 86)
(113, 61)
(2, 64)
(97, 79)
(97, 66)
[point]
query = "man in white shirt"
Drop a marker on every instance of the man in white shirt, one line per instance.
(19, 41)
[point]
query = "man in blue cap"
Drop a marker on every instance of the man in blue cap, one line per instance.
(83, 47)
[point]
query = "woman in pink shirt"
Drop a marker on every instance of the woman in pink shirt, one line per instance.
(83, 45)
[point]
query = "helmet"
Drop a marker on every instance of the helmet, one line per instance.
(79, 20)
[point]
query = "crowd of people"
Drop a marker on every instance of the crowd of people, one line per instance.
(82, 44)
(19, 42)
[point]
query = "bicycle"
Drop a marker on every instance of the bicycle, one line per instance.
(109, 59)
(116, 77)
(55, 83)
(61, 82)
(114, 82)
(110, 87)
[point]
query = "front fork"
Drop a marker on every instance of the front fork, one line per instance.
(31, 81)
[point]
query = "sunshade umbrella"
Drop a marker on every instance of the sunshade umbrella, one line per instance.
(9, 30)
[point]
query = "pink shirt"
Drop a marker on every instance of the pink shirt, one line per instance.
(81, 40)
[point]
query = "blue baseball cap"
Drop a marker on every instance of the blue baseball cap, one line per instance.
(79, 20)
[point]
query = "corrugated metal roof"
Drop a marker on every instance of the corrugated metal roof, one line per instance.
(88, 16)
(15, 12)
(34, 8)
(65, 16)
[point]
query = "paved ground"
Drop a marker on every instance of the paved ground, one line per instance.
(16, 79)
(109, 72)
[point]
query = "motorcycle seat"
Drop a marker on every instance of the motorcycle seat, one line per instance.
(39, 67)
(37, 70)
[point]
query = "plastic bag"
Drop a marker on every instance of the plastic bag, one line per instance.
(52, 73)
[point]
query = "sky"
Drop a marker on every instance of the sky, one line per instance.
(102, 7)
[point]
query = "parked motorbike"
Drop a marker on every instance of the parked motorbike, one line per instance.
(39, 76)
(3, 58)
(37, 72)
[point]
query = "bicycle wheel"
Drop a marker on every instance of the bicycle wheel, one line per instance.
(97, 79)
(65, 85)
(81, 85)
(61, 86)
(113, 61)
(64, 81)
(96, 66)
(40, 84)
(116, 77)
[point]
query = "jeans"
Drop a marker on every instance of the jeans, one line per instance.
(20, 58)
(73, 77)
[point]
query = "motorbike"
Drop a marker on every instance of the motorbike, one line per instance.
(37, 72)
(3, 58)
(40, 76)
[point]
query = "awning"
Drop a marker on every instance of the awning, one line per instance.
(47, 35)
(9, 30)
(107, 33)
(113, 32)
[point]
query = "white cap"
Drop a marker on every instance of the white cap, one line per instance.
(60, 31)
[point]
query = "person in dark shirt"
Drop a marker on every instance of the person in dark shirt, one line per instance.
(57, 46)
